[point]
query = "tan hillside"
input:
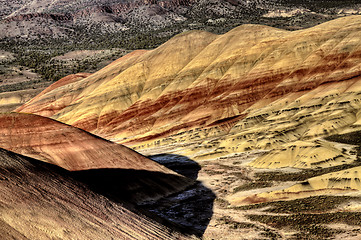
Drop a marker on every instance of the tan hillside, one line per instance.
(218, 97)
(9, 101)
(251, 76)
(41, 201)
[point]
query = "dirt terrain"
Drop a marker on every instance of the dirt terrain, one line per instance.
(204, 206)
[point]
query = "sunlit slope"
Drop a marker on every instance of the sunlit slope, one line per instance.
(253, 88)
(183, 67)
(42, 201)
(74, 87)
(341, 182)
(58, 101)
(144, 75)
(66, 146)
(9, 101)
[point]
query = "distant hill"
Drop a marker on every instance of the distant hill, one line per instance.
(29, 19)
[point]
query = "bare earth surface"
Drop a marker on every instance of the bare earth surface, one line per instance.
(267, 120)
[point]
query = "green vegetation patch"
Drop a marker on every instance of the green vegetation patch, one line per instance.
(21, 86)
(303, 205)
(310, 204)
(252, 185)
(310, 225)
(233, 225)
(353, 138)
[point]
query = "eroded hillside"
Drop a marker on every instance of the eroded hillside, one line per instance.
(252, 106)
(41, 201)
(240, 84)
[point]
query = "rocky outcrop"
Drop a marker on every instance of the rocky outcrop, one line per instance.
(43, 10)
(28, 19)
(64, 19)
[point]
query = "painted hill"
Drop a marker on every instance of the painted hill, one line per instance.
(214, 83)
(42, 201)
(207, 96)
(66, 146)
(113, 168)
(10, 99)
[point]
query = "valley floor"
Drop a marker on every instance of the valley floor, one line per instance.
(205, 206)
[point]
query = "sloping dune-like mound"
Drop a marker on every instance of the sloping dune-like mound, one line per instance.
(41, 201)
(113, 169)
(68, 147)
(300, 154)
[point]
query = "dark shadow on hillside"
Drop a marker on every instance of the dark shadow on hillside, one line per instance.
(135, 186)
(353, 138)
(187, 207)
(120, 186)
(177, 201)
(191, 208)
(178, 163)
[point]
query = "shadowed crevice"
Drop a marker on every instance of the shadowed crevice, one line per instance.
(130, 185)
(178, 163)
(176, 201)
(192, 208)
